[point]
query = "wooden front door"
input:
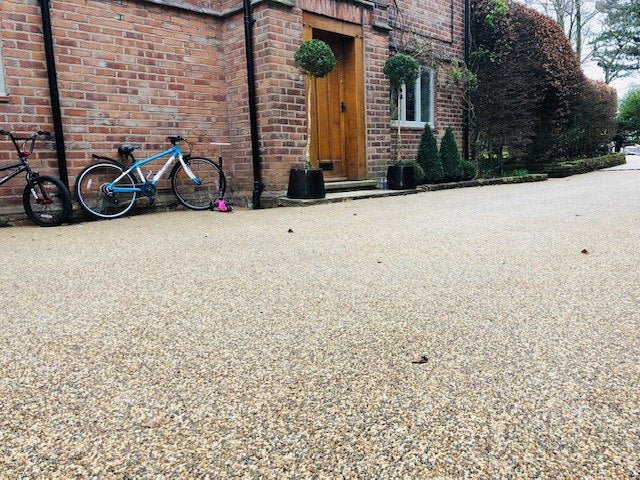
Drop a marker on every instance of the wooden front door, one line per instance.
(329, 106)
(337, 103)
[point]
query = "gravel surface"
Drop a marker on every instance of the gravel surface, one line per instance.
(200, 344)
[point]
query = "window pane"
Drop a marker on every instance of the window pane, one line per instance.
(394, 106)
(411, 103)
(425, 94)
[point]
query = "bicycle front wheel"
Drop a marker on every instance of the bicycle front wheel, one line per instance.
(210, 183)
(46, 201)
(96, 199)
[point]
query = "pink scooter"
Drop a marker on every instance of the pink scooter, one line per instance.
(219, 205)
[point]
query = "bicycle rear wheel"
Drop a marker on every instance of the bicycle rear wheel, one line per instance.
(46, 201)
(198, 195)
(94, 197)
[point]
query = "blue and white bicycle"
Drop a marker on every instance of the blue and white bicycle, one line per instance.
(108, 189)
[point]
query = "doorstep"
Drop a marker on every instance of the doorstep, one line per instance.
(335, 197)
(350, 185)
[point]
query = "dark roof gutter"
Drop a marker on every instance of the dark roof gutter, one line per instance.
(53, 92)
(467, 51)
(258, 186)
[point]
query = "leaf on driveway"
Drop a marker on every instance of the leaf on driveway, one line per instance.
(423, 359)
(157, 422)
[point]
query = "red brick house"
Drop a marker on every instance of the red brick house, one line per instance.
(138, 70)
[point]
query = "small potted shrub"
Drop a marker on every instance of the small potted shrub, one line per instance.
(315, 59)
(400, 69)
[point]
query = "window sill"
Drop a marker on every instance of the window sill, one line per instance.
(411, 125)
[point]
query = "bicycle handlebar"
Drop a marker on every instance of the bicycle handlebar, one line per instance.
(24, 145)
(39, 133)
(175, 139)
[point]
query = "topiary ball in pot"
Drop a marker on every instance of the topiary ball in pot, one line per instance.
(401, 69)
(315, 58)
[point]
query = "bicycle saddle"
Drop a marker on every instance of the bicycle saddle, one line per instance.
(127, 149)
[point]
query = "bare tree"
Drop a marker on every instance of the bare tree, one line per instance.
(617, 46)
(577, 19)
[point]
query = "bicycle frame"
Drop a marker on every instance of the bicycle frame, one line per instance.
(19, 167)
(23, 165)
(174, 151)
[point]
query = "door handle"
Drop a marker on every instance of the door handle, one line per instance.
(343, 107)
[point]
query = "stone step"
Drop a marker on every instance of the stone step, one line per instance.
(335, 197)
(350, 185)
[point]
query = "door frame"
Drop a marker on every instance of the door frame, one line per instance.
(355, 143)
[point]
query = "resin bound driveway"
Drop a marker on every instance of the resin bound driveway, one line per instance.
(187, 345)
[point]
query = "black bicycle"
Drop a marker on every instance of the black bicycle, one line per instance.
(46, 200)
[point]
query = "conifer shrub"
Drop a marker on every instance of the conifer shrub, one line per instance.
(450, 156)
(419, 172)
(429, 157)
(468, 170)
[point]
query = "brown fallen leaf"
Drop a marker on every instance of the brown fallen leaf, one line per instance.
(423, 359)
(158, 422)
(290, 231)
(585, 251)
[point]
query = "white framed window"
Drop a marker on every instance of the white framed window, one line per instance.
(3, 87)
(417, 102)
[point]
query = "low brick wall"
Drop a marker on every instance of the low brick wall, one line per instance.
(581, 165)
(481, 182)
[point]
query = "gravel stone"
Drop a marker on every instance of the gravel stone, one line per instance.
(200, 345)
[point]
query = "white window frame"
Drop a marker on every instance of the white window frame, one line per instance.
(3, 85)
(418, 106)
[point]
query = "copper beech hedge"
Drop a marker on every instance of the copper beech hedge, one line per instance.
(532, 98)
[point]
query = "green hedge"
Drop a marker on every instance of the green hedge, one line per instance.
(580, 165)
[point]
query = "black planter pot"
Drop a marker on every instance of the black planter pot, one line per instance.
(401, 177)
(306, 183)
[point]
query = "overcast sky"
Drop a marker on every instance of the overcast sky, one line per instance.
(622, 85)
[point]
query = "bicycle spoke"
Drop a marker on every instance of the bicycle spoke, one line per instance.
(198, 195)
(94, 194)
(46, 202)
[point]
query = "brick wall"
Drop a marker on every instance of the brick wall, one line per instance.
(127, 72)
(27, 107)
(439, 24)
(239, 167)
(281, 93)
(135, 71)
(130, 72)
(378, 119)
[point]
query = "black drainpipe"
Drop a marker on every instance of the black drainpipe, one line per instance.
(258, 186)
(467, 50)
(53, 92)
